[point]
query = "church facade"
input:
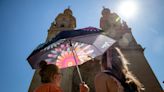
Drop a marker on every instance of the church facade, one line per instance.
(115, 28)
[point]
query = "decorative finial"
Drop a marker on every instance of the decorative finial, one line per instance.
(103, 7)
(68, 7)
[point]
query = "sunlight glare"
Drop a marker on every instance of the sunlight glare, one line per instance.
(128, 8)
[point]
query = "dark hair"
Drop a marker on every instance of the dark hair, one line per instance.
(104, 61)
(119, 67)
(47, 71)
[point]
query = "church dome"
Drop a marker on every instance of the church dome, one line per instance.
(68, 11)
(105, 11)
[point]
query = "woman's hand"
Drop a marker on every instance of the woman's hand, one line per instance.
(84, 87)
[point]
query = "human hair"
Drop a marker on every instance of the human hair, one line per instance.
(119, 67)
(47, 71)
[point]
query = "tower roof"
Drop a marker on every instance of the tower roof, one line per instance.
(105, 11)
(68, 11)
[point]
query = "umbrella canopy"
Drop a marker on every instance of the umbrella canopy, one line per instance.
(79, 32)
(71, 48)
(84, 47)
(58, 51)
(66, 34)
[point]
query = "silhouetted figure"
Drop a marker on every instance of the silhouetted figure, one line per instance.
(114, 75)
(51, 79)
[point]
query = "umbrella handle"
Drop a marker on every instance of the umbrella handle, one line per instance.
(78, 70)
(77, 67)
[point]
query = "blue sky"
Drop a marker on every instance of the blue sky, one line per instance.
(24, 25)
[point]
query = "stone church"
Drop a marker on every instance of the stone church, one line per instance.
(115, 28)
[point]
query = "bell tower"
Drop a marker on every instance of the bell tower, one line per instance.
(64, 21)
(133, 52)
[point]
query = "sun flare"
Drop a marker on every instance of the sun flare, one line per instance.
(128, 9)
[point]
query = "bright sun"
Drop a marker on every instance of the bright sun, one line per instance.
(128, 8)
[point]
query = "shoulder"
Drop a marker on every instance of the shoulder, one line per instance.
(105, 83)
(41, 87)
(101, 77)
(48, 88)
(101, 74)
(114, 84)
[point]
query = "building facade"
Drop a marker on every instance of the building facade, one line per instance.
(115, 28)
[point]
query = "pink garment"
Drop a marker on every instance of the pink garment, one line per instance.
(48, 87)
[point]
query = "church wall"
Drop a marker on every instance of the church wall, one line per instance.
(141, 68)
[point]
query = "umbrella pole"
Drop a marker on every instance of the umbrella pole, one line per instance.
(77, 67)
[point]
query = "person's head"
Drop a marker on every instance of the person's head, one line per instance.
(118, 64)
(111, 60)
(49, 73)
